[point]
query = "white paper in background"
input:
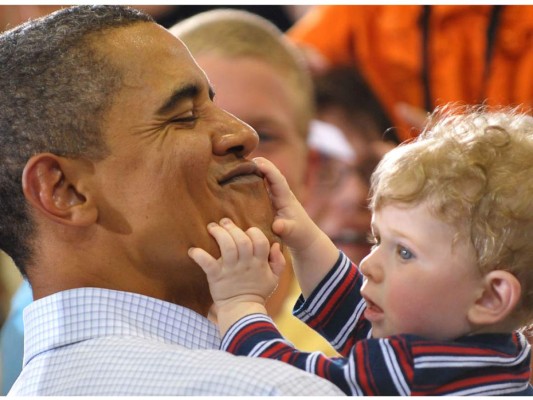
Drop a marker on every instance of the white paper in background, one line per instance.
(330, 140)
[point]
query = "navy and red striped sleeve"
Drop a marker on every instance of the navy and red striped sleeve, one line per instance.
(489, 364)
(484, 364)
(335, 309)
(372, 367)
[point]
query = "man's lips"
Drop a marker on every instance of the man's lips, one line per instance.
(244, 170)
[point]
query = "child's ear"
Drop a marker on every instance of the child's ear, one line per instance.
(499, 297)
(56, 187)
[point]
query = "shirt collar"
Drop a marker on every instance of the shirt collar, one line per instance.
(87, 313)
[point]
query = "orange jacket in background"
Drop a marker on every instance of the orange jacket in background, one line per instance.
(386, 44)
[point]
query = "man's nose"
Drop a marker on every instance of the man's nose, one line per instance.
(352, 193)
(233, 136)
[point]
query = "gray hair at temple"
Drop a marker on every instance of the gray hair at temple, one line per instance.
(55, 90)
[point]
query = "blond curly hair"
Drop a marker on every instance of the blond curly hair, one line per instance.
(474, 168)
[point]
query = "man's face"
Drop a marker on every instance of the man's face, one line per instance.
(259, 95)
(176, 163)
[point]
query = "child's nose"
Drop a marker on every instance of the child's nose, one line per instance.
(370, 267)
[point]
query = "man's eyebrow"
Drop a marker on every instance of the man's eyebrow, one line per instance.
(185, 92)
(188, 91)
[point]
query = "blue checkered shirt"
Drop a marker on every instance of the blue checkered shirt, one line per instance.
(92, 341)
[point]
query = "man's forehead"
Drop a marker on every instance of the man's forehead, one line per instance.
(147, 36)
(156, 71)
(146, 51)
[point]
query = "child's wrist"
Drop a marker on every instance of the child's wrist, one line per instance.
(243, 306)
(230, 311)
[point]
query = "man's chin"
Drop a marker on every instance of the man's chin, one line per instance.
(254, 209)
(259, 218)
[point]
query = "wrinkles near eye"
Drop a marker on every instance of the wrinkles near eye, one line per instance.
(186, 118)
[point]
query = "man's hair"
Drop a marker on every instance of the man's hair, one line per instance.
(55, 89)
(237, 33)
(474, 167)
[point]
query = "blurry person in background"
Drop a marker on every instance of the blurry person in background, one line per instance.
(13, 15)
(281, 15)
(12, 333)
(416, 57)
(338, 192)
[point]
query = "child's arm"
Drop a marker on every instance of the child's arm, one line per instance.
(368, 366)
(244, 276)
(241, 280)
(312, 251)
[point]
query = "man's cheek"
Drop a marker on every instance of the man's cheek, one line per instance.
(253, 208)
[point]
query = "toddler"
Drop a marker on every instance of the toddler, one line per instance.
(437, 306)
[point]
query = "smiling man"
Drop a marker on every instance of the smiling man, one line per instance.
(113, 160)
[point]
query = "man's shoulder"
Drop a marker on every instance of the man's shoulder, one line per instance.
(147, 366)
(281, 378)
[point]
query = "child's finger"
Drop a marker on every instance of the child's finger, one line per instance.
(278, 184)
(228, 247)
(205, 260)
(241, 240)
(284, 228)
(278, 226)
(276, 259)
(260, 243)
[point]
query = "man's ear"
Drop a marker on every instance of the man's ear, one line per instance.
(55, 186)
(500, 294)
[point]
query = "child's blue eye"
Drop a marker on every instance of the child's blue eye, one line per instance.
(404, 253)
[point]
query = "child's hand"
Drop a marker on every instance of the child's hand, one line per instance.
(291, 222)
(313, 253)
(246, 273)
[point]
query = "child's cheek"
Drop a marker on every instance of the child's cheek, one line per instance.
(406, 306)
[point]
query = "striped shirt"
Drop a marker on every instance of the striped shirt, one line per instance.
(481, 364)
(92, 341)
